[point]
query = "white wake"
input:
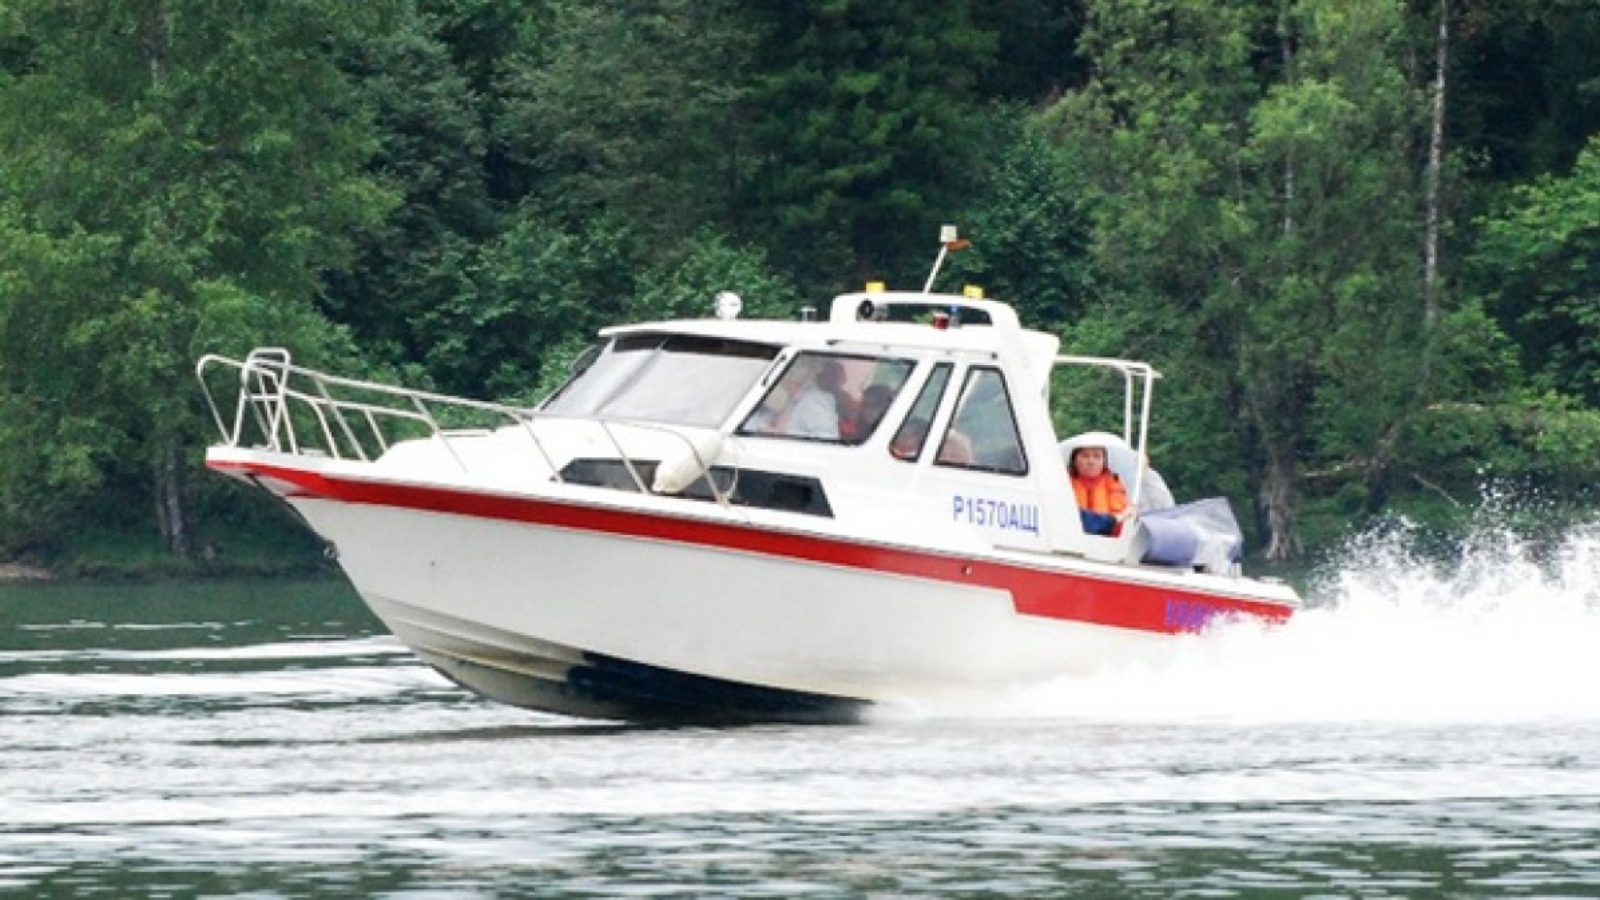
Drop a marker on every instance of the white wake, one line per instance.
(1502, 631)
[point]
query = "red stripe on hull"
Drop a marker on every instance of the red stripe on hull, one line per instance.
(1035, 592)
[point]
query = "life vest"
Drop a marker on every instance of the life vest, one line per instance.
(1104, 495)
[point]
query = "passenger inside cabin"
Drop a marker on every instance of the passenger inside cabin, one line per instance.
(907, 443)
(875, 401)
(955, 449)
(1102, 500)
(816, 414)
(983, 432)
(804, 403)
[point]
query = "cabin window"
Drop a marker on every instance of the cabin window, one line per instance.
(784, 491)
(672, 379)
(831, 397)
(913, 433)
(983, 432)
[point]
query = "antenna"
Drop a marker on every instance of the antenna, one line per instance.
(949, 242)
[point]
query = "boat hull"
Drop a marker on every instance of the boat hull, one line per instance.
(609, 612)
(540, 675)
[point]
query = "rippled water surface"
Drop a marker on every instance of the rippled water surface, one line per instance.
(1421, 731)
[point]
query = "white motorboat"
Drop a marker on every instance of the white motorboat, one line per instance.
(743, 520)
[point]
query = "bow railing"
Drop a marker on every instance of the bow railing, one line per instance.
(282, 407)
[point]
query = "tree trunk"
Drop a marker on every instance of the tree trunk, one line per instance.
(1435, 177)
(170, 512)
(154, 35)
(1276, 501)
(1380, 472)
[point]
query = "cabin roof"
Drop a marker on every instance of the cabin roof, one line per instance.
(846, 329)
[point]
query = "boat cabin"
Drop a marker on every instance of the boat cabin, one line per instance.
(910, 414)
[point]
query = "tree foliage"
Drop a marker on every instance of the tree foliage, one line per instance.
(1267, 202)
(1536, 265)
(633, 111)
(168, 166)
(432, 151)
(1356, 236)
(865, 136)
(1030, 225)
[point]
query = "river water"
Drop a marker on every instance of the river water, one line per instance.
(1425, 729)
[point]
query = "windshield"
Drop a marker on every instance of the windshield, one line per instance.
(839, 398)
(667, 378)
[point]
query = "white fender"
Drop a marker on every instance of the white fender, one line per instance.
(684, 465)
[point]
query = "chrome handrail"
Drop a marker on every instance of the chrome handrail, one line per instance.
(1138, 391)
(351, 416)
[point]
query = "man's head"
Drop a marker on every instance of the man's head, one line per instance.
(831, 375)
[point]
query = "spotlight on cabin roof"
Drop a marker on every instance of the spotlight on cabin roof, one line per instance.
(728, 305)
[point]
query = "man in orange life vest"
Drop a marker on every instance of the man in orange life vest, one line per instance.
(1102, 500)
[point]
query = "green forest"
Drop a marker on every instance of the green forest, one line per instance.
(1360, 238)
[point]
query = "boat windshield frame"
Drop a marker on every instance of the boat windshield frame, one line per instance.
(665, 378)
